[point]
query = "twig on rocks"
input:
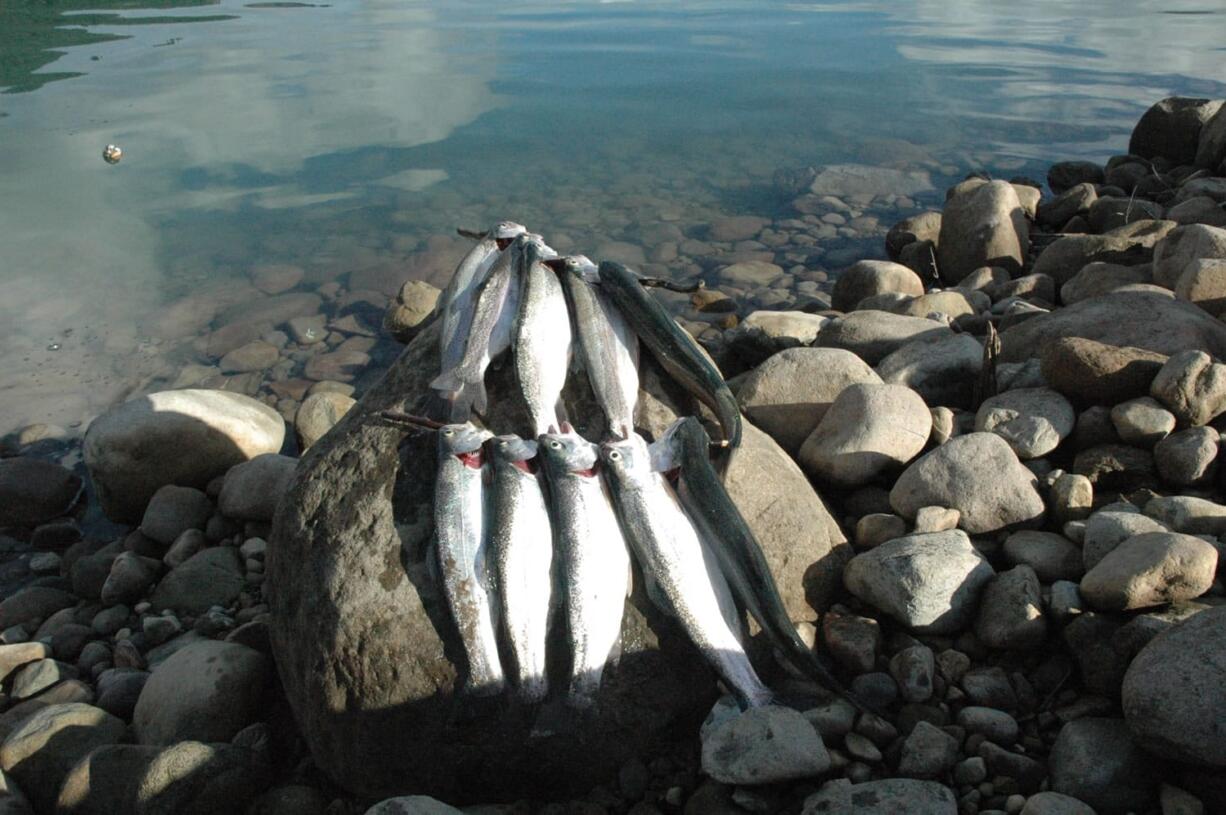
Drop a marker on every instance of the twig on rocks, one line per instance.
(985, 388)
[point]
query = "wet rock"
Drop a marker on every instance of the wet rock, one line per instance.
(751, 273)
(131, 576)
(867, 430)
(845, 180)
(873, 335)
(983, 226)
(33, 491)
(929, 582)
(1011, 611)
(1188, 457)
(886, 796)
(1171, 129)
(1099, 373)
(274, 278)
(212, 577)
(254, 356)
(1184, 246)
(208, 691)
(184, 437)
(270, 311)
(736, 228)
(976, 474)
(1149, 569)
(338, 366)
(42, 750)
(1095, 760)
(1052, 557)
(762, 746)
(871, 277)
(1033, 421)
(318, 414)
(252, 489)
(1142, 422)
(789, 393)
(1193, 386)
(1143, 320)
(1172, 683)
(173, 510)
(942, 370)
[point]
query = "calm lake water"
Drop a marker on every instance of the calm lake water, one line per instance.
(350, 136)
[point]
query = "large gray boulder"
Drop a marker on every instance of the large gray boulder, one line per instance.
(1184, 246)
(368, 654)
(1171, 128)
(184, 437)
(1095, 760)
(1175, 691)
(1133, 244)
(984, 225)
(1141, 319)
(873, 335)
(870, 277)
(867, 430)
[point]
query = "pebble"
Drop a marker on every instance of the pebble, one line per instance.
(877, 528)
(1142, 422)
(867, 430)
(913, 670)
(1095, 760)
(867, 278)
(1033, 421)
(942, 370)
(1052, 557)
(252, 489)
(763, 745)
(1011, 611)
(1149, 569)
(928, 752)
(853, 641)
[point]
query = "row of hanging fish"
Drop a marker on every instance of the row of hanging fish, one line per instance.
(535, 531)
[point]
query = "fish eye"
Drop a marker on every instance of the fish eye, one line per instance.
(614, 456)
(448, 432)
(555, 445)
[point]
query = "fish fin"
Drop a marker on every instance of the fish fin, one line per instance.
(662, 454)
(563, 414)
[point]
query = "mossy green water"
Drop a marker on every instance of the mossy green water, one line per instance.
(33, 31)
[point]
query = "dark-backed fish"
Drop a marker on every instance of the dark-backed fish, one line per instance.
(593, 562)
(461, 527)
(541, 340)
(675, 350)
(521, 545)
(607, 345)
(672, 555)
(684, 450)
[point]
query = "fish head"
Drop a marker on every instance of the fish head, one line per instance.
(581, 266)
(463, 441)
(508, 230)
(568, 452)
(627, 458)
(612, 272)
(520, 453)
(665, 452)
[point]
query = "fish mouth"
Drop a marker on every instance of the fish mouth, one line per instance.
(590, 472)
(527, 465)
(472, 460)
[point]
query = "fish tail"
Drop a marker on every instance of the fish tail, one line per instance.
(728, 412)
(459, 398)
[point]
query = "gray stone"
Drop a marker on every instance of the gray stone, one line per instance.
(992, 724)
(763, 746)
(257, 355)
(789, 393)
(751, 273)
(1101, 278)
(983, 226)
(1211, 148)
(1026, 771)
(252, 489)
(978, 475)
(1076, 200)
(913, 669)
(33, 491)
(184, 437)
(950, 303)
(928, 582)
(888, 796)
(1118, 467)
(926, 226)
(130, 578)
(1173, 683)
(184, 546)
(1188, 514)
(119, 689)
(1171, 128)
(869, 277)
(877, 528)
(211, 577)
(942, 370)
(1110, 212)
(1193, 386)
(14, 655)
(874, 335)
(1131, 245)
(1096, 761)
(1033, 421)
(936, 519)
(32, 605)
(1142, 422)
(1184, 246)
(1150, 569)
(927, 752)
(43, 749)
(867, 430)
(318, 414)
(1011, 611)
(1052, 557)
(1055, 803)
(207, 691)
(35, 677)
(412, 805)
(853, 641)
(1098, 373)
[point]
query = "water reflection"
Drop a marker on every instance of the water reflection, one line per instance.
(349, 138)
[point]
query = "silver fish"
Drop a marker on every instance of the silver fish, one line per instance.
(608, 346)
(521, 544)
(463, 386)
(461, 526)
(459, 297)
(672, 556)
(593, 560)
(541, 341)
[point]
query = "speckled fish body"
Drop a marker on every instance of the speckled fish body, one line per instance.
(521, 544)
(672, 556)
(672, 347)
(684, 449)
(461, 522)
(459, 298)
(497, 299)
(593, 561)
(607, 345)
(541, 338)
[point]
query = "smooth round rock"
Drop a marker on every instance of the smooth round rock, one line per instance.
(1188, 457)
(1171, 128)
(1176, 679)
(318, 414)
(251, 490)
(1011, 611)
(943, 370)
(873, 335)
(173, 510)
(1053, 557)
(1095, 760)
(184, 437)
(983, 226)
(1142, 422)
(33, 491)
(1033, 421)
(1150, 569)
(763, 745)
(871, 277)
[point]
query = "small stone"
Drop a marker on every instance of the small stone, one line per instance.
(253, 489)
(257, 355)
(1188, 514)
(1176, 801)
(275, 278)
(184, 546)
(983, 226)
(1149, 569)
(1192, 386)
(1188, 457)
(318, 414)
(861, 748)
(1096, 761)
(995, 725)
(35, 677)
(1142, 422)
(1052, 557)
(15, 655)
(877, 528)
(913, 669)
(874, 335)
(751, 273)
(1032, 420)
(936, 519)
(1065, 600)
(1010, 611)
(209, 578)
(928, 752)
(33, 491)
(763, 745)
(1071, 498)
(131, 576)
(833, 720)
(970, 771)
(888, 796)
(870, 277)
(989, 687)
(1054, 803)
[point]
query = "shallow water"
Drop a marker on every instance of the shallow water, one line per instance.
(353, 136)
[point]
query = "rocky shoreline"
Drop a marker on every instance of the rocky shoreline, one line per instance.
(984, 471)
